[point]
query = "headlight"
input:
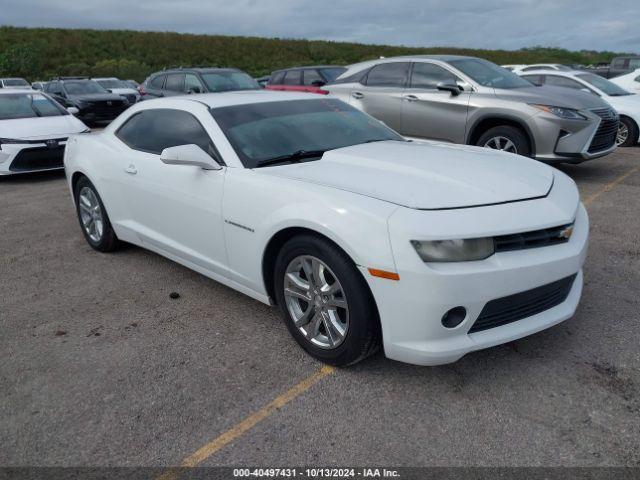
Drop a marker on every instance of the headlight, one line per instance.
(568, 113)
(9, 140)
(461, 250)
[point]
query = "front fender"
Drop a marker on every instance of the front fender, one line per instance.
(256, 207)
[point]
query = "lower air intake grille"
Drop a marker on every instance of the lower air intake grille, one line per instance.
(522, 305)
(42, 158)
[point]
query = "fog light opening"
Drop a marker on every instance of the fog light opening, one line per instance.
(454, 317)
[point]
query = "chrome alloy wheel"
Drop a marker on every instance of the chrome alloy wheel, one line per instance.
(91, 214)
(623, 133)
(501, 143)
(316, 302)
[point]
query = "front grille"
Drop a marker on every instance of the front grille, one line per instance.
(522, 305)
(104, 109)
(40, 158)
(605, 136)
(537, 238)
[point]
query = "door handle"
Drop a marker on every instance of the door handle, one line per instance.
(410, 98)
(131, 169)
(357, 95)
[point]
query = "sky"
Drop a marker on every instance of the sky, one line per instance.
(494, 24)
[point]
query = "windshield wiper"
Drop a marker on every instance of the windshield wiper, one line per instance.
(291, 157)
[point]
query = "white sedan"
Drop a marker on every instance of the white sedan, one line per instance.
(626, 103)
(361, 237)
(33, 131)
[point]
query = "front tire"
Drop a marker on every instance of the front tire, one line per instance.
(93, 218)
(325, 302)
(506, 138)
(627, 133)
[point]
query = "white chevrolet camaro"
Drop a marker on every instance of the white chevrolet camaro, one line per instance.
(360, 237)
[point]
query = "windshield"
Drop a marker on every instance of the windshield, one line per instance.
(83, 87)
(330, 74)
(226, 81)
(113, 84)
(15, 82)
(489, 74)
(262, 131)
(28, 105)
(604, 85)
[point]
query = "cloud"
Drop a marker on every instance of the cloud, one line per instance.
(508, 24)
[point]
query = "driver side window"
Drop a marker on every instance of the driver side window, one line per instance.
(428, 75)
(154, 130)
(192, 84)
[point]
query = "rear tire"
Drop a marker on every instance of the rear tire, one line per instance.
(627, 133)
(506, 138)
(330, 310)
(93, 218)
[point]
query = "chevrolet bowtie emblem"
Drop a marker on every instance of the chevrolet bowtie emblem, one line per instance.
(566, 233)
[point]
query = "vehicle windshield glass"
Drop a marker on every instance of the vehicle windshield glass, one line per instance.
(604, 85)
(262, 131)
(332, 73)
(113, 84)
(83, 87)
(28, 105)
(489, 74)
(15, 82)
(227, 81)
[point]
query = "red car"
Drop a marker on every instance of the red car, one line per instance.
(304, 79)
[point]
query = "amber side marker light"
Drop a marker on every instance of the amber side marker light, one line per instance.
(384, 274)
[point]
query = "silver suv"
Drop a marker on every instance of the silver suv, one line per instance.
(472, 101)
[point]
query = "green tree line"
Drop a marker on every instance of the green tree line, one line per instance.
(40, 53)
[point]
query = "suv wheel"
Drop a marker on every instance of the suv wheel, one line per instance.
(505, 138)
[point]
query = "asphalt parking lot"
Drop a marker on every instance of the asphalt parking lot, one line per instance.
(100, 367)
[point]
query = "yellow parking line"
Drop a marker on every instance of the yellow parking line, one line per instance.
(281, 400)
(252, 420)
(609, 186)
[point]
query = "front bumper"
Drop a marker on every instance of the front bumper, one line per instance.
(411, 309)
(31, 157)
(559, 140)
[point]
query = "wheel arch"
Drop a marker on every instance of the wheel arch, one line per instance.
(486, 122)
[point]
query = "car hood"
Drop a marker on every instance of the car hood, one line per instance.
(425, 175)
(40, 127)
(556, 96)
(96, 97)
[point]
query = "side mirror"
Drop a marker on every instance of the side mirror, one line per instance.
(449, 87)
(318, 83)
(73, 110)
(194, 90)
(189, 155)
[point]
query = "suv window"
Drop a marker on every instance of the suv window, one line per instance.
(428, 75)
(537, 80)
(618, 63)
(310, 76)
(563, 82)
(192, 83)
(54, 87)
(388, 75)
(292, 77)
(154, 130)
(174, 82)
(276, 78)
(157, 82)
(634, 63)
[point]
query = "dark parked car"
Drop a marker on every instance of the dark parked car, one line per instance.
(196, 80)
(619, 66)
(305, 79)
(94, 102)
